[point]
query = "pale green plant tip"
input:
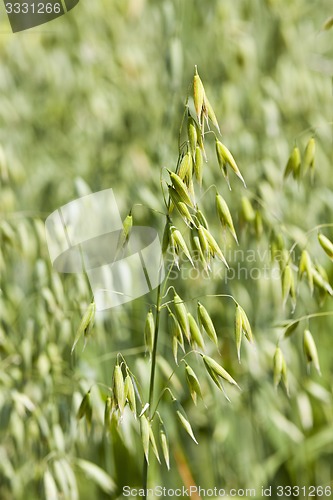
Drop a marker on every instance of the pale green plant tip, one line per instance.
(310, 350)
(326, 245)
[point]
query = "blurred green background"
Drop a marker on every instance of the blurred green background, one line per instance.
(94, 100)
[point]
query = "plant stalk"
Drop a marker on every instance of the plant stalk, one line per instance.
(152, 381)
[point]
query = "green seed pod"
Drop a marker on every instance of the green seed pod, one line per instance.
(247, 210)
(238, 330)
(310, 350)
(203, 241)
(180, 206)
(321, 281)
(246, 325)
(181, 189)
(196, 336)
(198, 94)
(218, 370)
(85, 408)
(86, 324)
(153, 444)
(278, 366)
(130, 393)
(185, 167)
(180, 412)
(211, 113)
(181, 315)
(305, 266)
(175, 349)
(107, 412)
(285, 376)
(145, 437)
(224, 215)
(178, 242)
(213, 246)
(192, 134)
(196, 248)
(125, 233)
(198, 165)
(294, 164)
(166, 237)
(202, 219)
(287, 280)
(326, 244)
(118, 388)
(309, 156)
(206, 322)
(224, 157)
(164, 445)
(149, 331)
(193, 383)
(290, 329)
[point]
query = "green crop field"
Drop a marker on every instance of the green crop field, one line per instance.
(212, 122)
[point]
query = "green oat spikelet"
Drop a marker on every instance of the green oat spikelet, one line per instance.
(193, 383)
(149, 331)
(218, 370)
(224, 215)
(310, 350)
(224, 158)
(326, 244)
(206, 323)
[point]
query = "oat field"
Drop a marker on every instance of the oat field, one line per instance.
(212, 122)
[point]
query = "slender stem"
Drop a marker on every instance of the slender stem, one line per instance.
(152, 381)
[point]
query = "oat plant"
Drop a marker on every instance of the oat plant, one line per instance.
(187, 240)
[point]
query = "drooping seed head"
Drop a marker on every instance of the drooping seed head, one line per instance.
(149, 331)
(218, 370)
(224, 158)
(326, 244)
(181, 315)
(196, 336)
(207, 323)
(310, 350)
(119, 388)
(224, 215)
(198, 94)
